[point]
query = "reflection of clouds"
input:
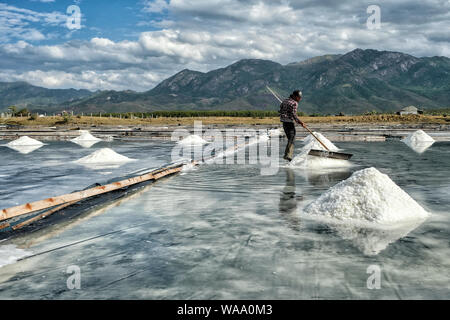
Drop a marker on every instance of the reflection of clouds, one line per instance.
(369, 238)
(28, 240)
(420, 147)
(371, 241)
(25, 149)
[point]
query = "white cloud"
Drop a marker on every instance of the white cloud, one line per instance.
(208, 34)
(155, 6)
(18, 23)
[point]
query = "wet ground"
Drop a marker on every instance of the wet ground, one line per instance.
(225, 231)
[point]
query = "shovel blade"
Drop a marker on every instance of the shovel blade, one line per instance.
(330, 154)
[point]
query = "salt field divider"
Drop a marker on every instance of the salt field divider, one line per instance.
(84, 194)
(58, 203)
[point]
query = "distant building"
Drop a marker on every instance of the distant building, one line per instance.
(409, 110)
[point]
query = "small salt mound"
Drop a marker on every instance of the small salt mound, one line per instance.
(10, 254)
(274, 132)
(25, 141)
(417, 137)
(85, 136)
(368, 195)
(311, 143)
(192, 140)
(419, 141)
(104, 155)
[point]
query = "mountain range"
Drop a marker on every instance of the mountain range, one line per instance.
(351, 83)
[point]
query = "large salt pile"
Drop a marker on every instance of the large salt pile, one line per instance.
(104, 156)
(368, 195)
(24, 141)
(312, 143)
(419, 141)
(192, 140)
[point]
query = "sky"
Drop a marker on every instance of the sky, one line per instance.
(134, 45)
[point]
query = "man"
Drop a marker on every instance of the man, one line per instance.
(288, 114)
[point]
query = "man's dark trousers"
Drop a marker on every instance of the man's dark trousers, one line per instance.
(289, 129)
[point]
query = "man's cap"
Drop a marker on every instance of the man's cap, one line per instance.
(297, 93)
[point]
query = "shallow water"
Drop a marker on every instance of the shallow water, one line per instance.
(225, 231)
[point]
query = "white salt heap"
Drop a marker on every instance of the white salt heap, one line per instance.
(419, 141)
(85, 139)
(10, 254)
(416, 137)
(85, 136)
(104, 155)
(311, 142)
(274, 132)
(192, 140)
(25, 141)
(370, 196)
(313, 162)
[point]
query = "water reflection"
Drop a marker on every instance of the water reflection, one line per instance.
(86, 143)
(289, 199)
(327, 177)
(25, 149)
(420, 147)
(371, 241)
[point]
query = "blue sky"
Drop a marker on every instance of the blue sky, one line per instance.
(113, 19)
(136, 44)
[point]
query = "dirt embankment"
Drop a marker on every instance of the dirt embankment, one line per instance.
(186, 121)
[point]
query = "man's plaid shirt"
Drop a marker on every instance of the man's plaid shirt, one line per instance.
(288, 110)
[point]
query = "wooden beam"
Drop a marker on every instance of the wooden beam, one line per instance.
(42, 215)
(80, 195)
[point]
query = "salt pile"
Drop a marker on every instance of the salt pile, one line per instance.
(103, 156)
(312, 143)
(85, 136)
(192, 140)
(368, 195)
(85, 139)
(274, 132)
(25, 141)
(416, 137)
(419, 141)
(10, 254)
(25, 145)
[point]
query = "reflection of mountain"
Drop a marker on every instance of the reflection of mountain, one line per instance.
(25, 149)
